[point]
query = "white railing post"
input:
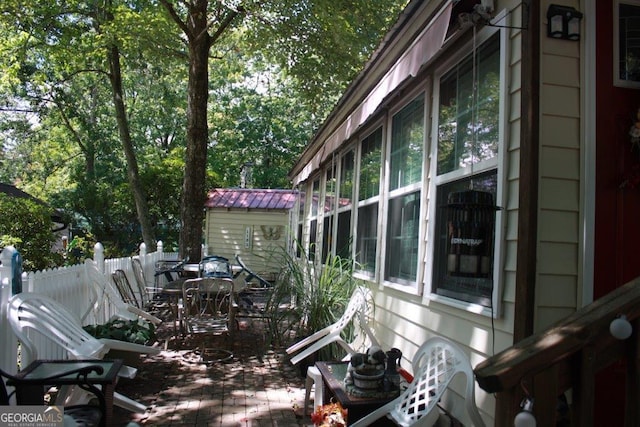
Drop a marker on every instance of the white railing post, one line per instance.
(9, 352)
(159, 246)
(143, 249)
(6, 272)
(98, 255)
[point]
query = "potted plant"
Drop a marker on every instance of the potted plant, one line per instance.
(133, 331)
(318, 295)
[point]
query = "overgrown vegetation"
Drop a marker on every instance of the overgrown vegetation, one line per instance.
(319, 295)
(26, 225)
(92, 89)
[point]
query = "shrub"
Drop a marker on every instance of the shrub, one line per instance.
(133, 331)
(26, 224)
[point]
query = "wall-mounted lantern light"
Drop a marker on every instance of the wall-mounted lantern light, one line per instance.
(563, 22)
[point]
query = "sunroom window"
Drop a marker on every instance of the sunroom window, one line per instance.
(345, 197)
(328, 212)
(300, 221)
(313, 219)
(403, 212)
(368, 200)
(468, 118)
(467, 176)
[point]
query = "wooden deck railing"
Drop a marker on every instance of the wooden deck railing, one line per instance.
(566, 357)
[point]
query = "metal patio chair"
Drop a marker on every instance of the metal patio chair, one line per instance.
(208, 307)
(124, 288)
(87, 415)
(149, 300)
(108, 294)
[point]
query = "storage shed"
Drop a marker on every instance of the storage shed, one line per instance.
(254, 223)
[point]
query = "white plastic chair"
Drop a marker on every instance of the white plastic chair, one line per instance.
(435, 364)
(31, 313)
(359, 304)
(107, 293)
(359, 307)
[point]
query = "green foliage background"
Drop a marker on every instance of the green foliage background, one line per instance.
(26, 225)
(273, 77)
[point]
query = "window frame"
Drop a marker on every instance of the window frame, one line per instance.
(617, 81)
(410, 286)
(347, 209)
(497, 163)
(313, 217)
(376, 199)
(327, 214)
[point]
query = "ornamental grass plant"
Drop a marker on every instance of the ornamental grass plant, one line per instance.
(316, 295)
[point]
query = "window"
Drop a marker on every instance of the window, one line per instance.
(467, 149)
(468, 119)
(301, 204)
(368, 195)
(465, 230)
(402, 239)
(406, 145)
(406, 158)
(328, 212)
(627, 43)
(345, 193)
(313, 219)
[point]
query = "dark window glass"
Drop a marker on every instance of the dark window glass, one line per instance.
(464, 245)
(367, 237)
(629, 42)
(402, 239)
(343, 238)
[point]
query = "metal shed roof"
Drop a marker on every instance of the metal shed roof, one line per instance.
(251, 198)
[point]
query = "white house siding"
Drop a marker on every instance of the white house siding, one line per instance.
(225, 236)
(405, 319)
(560, 203)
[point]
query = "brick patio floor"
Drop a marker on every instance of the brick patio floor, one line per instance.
(258, 387)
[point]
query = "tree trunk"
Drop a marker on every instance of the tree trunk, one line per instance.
(193, 187)
(139, 196)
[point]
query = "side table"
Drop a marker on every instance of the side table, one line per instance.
(39, 369)
(333, 374)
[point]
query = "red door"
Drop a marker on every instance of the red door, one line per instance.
(617, 216)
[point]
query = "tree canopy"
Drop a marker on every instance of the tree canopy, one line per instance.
(97, 101)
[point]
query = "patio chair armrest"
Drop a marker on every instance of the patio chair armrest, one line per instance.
(145, 315)
(318, 345)
(309, 340)
(128, 346)
(82, 372)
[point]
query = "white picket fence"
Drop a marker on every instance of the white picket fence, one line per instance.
(70, 287)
